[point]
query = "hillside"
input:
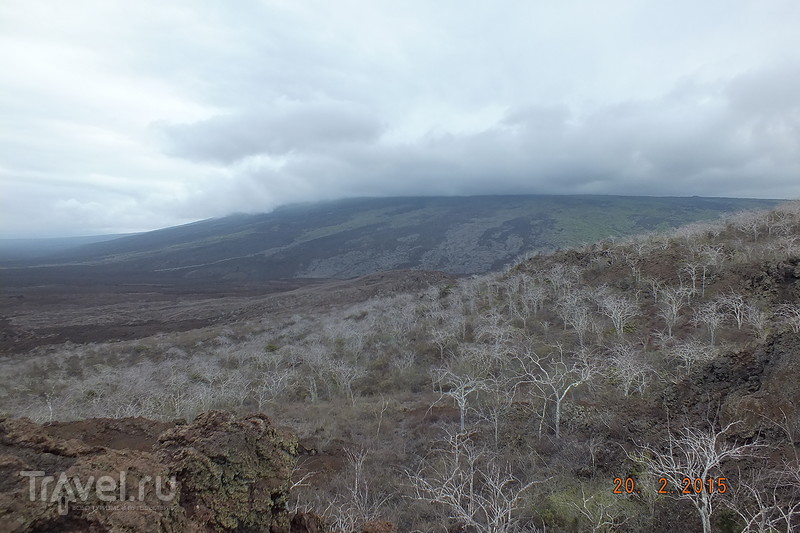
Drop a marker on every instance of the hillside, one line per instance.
(22, 250)
(349, 238)
(573, 391)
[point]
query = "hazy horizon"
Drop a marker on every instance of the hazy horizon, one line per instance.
(123, 118)
(52, 237)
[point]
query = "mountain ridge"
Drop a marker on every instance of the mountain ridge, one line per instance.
(359, 236)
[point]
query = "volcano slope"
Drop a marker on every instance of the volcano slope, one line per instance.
(646, 384)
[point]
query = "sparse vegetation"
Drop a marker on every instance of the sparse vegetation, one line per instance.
(509, 401)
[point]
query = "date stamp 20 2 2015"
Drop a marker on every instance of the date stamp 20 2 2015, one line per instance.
(688, 485)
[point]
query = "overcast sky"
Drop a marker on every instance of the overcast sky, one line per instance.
(134, 115)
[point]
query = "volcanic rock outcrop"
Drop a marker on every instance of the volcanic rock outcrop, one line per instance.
(219, 473)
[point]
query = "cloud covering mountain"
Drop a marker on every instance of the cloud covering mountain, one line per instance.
(130, 116)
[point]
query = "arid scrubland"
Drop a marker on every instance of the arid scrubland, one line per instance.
(510, 401)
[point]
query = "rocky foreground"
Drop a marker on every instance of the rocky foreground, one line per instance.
(219, 473)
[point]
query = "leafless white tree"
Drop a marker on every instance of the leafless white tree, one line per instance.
(693, 269)
(619, 309)
(634, 262)
(656, 285)
(749, 222)
(734, 304)
(695, 454)
(345, 374)
(768, 501)
(533, 297)
(562, 277)
(629, 369)
(496, 396)
(692, 352)
(442, 338)
(575, 312)
(358, 503)
(758, 319)
(601, 514)
(493, 328)
(405, 360)
(459, 387)
(555, 377)
(712, 316)
(779, 221)
(713, 255)
(525, 297)
(671, 301)
(790, 313)
(480, 493)
(788, 245)
(272, 385)
(237, 386)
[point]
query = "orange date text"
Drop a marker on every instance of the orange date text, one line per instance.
(686, 485)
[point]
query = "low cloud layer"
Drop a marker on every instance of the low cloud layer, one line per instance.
(121, 118)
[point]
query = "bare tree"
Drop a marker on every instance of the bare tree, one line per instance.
(788, 245)
(555, 377)
(525, 297)
(272, 385)
(562, 277)
(656, 286)
(629, 369)
(601, 513)
(634, 263)
(349, 335)
(704, 266)
(479, 360)
(671, 301)
(790, 313)
(692, 231)
(619, 309)
(467, 293)
(768, 502)
(749, 222)
(237, 386)
(480, 493)
(497, 397)
(357, 503)
(693, 269)
(574, 311)
(694, 455)
(713, 255)
(401, 316)
(692, 352)
(757, 319)
(452, 320)
(734, 304)
(533, 297)
(779, 221)
(712, 316)
(345, 374)
(316, 365)
(442, 338)
(492, 328)
(458, 387)
(405, 360)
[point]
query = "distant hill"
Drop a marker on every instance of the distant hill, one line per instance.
(349, 238)
(28, 249)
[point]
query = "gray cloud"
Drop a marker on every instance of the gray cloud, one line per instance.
(124, 117)
(698, 139)
(273, 131)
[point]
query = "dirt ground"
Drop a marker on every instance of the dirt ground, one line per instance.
(32, 316)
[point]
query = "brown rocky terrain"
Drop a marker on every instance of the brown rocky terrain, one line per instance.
(229, 474)
(33, 316)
